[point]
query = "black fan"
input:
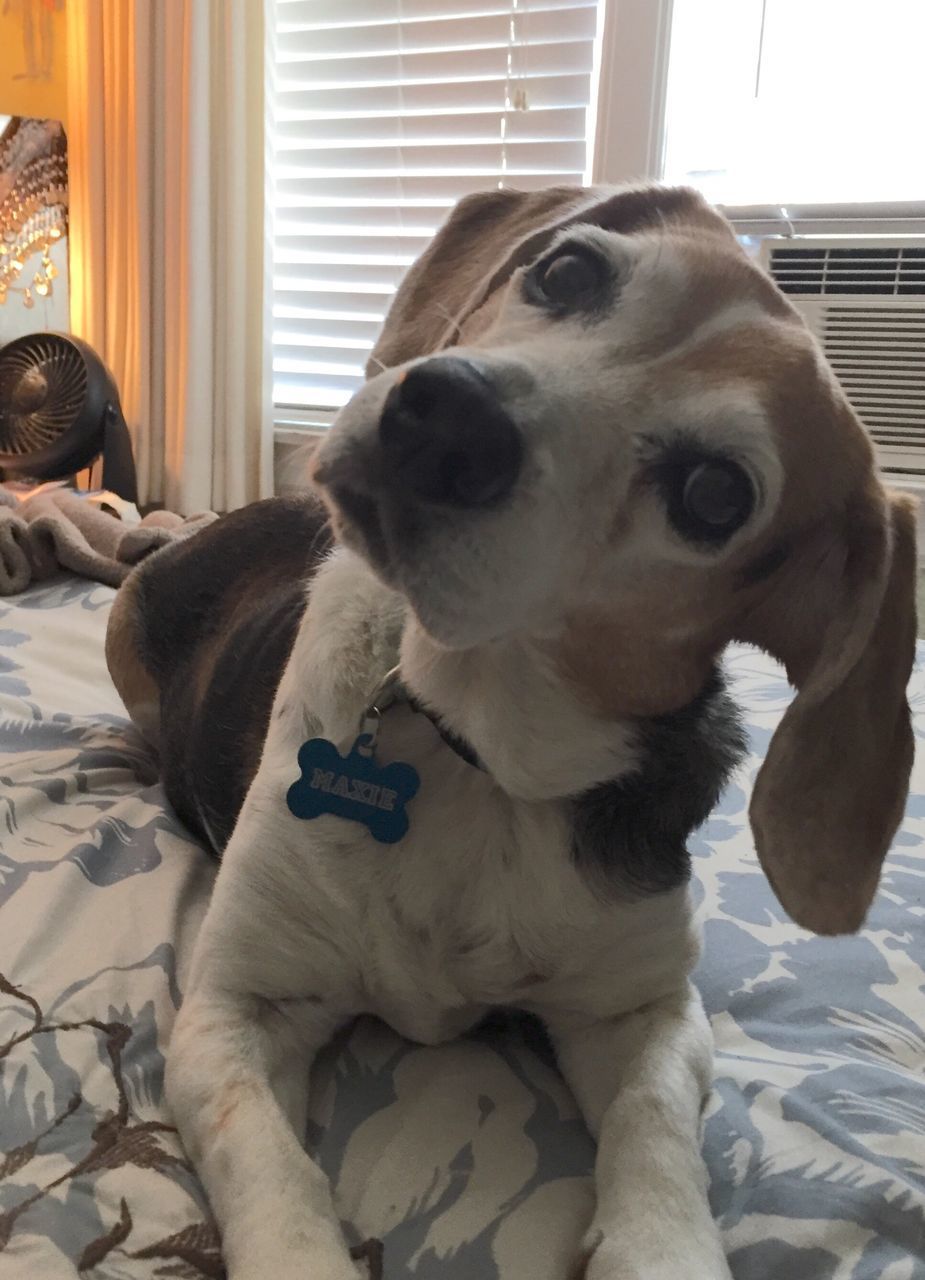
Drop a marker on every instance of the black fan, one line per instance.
(59, 411)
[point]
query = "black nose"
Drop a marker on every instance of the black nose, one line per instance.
(445, 434)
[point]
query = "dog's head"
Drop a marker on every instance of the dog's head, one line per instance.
(599, 424)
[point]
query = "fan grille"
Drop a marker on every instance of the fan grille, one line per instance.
(43, 386)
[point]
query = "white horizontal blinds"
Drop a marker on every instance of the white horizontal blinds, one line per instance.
(386, 112)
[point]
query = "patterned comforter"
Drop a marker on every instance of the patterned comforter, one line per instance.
(468, 1161)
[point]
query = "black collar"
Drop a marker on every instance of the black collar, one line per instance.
(392, 689)
(463, 749)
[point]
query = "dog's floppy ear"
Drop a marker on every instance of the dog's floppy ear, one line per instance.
(467, 250)
(445, 297)
(831, 792)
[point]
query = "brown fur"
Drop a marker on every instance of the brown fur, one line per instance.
(439, 285)
(197, 641)
(837, 608)
(831, 792)
(840, 615)
(490, 234)
(135, 684)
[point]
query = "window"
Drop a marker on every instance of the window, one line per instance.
(797, 101)
(385, 113)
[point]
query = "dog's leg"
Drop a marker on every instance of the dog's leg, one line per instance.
(237, 1083)
(640, 1081)
(278, 962)
(272, 979)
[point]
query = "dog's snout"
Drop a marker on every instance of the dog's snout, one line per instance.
(446, 435)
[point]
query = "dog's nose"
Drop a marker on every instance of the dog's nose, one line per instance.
(447, 437)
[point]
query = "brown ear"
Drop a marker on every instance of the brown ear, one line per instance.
(831, 792)
(469, 247)
(490, 234)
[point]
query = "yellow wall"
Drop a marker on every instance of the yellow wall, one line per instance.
(38, 88)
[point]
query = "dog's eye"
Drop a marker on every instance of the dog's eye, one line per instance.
(707, 497)
(568, 280)
(716, 499)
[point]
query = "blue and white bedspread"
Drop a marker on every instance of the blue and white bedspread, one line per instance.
(468, 1161)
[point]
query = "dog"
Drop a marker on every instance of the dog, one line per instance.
(450, 727)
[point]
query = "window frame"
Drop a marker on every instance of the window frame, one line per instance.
(629, 135)
(627, 144)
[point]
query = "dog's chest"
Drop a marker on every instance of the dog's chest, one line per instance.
(480, 906)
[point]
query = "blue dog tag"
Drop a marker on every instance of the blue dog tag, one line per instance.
(353, 787)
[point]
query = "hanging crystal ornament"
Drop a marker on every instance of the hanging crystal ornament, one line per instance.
(33, 212)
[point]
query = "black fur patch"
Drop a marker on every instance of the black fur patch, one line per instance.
(221, 612)
(631, 834)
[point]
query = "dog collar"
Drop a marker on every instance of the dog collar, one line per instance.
(354, 786)
(393, 690)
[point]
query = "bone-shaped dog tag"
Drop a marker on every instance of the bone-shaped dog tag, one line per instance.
(353, 787)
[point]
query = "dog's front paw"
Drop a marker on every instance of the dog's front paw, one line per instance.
(603, 1258)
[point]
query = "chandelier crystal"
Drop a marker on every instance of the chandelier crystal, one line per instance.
(33, 205)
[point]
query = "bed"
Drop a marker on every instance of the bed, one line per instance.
(467, 1161)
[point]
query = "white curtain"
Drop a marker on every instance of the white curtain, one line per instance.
(168, 246)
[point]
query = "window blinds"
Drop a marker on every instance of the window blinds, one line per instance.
(385, 113)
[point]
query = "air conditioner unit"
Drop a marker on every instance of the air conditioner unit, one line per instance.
(864, 299)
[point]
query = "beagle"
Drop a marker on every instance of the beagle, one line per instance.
(450, 730)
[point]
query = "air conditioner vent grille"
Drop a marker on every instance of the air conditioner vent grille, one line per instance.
(898, 270)
(878, 355)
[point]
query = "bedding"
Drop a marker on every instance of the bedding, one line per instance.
(468, 1160)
